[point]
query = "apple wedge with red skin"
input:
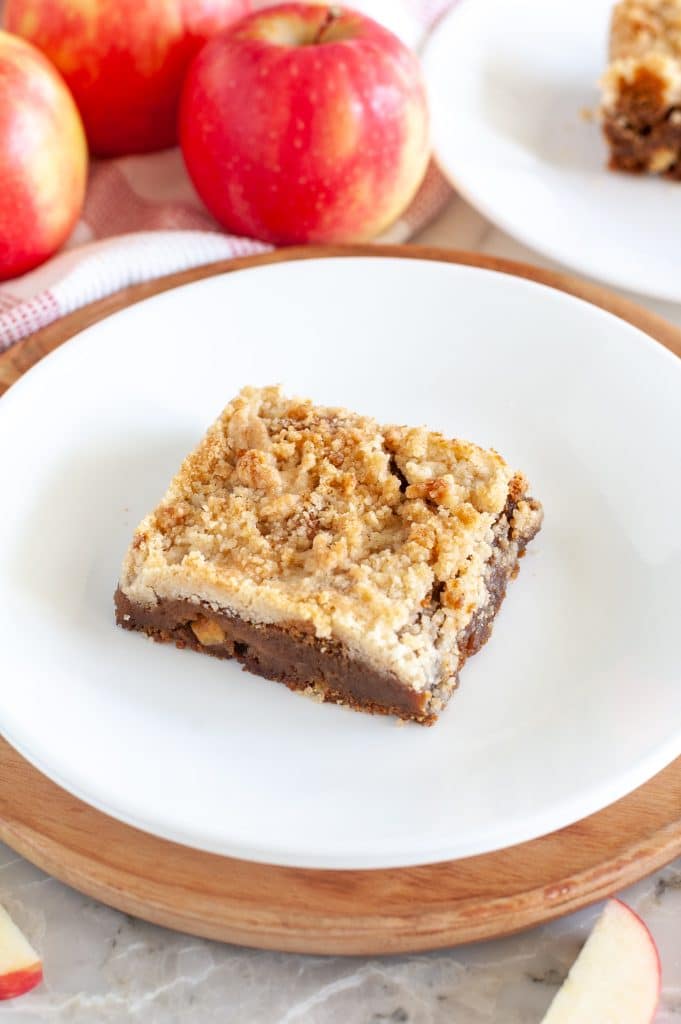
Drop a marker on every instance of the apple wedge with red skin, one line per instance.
(20, 966)
(616, 977)
(305, 123)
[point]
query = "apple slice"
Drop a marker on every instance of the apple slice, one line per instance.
(20, 965)
(616, 977)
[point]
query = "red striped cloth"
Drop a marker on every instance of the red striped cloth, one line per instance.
(142, 218)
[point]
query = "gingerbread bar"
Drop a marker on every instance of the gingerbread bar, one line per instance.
(357, 563)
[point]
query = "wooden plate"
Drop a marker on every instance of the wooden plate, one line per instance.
(351, 912)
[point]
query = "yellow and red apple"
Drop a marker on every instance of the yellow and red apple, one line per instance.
(20, 966)
(305, 123)
(43, 158)
(124, 60)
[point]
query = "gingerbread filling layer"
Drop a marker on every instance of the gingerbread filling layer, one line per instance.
(643, 131)
(324, 669)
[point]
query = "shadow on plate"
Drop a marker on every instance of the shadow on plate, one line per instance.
(68, 557)
(552, 120)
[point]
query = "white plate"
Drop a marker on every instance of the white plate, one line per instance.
(509, 81)
(576, 699)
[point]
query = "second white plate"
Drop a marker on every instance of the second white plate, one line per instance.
(574, 701)
(509, 86)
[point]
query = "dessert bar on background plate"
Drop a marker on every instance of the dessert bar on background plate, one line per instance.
(358, 563)
(525, 148)
(642, 87)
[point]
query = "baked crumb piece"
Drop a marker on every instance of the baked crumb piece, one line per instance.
(641, 88)
(360, 564)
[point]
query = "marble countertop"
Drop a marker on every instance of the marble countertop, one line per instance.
(103, 967)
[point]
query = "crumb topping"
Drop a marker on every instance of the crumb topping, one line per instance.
(645, 54)
(640, 27)
(376, 536)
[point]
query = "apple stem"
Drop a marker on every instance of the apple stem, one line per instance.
(332, 14)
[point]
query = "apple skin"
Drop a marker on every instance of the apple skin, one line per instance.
(43, 158)
(400, 18)
(19, 982)
(124, 60)
(305, 123)
(20, 966)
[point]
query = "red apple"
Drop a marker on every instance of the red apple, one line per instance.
(616, 977)
(124, 60)
(20, 966)
(305, 123)
(43, 158)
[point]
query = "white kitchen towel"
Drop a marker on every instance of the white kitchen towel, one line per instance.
(142, 218)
